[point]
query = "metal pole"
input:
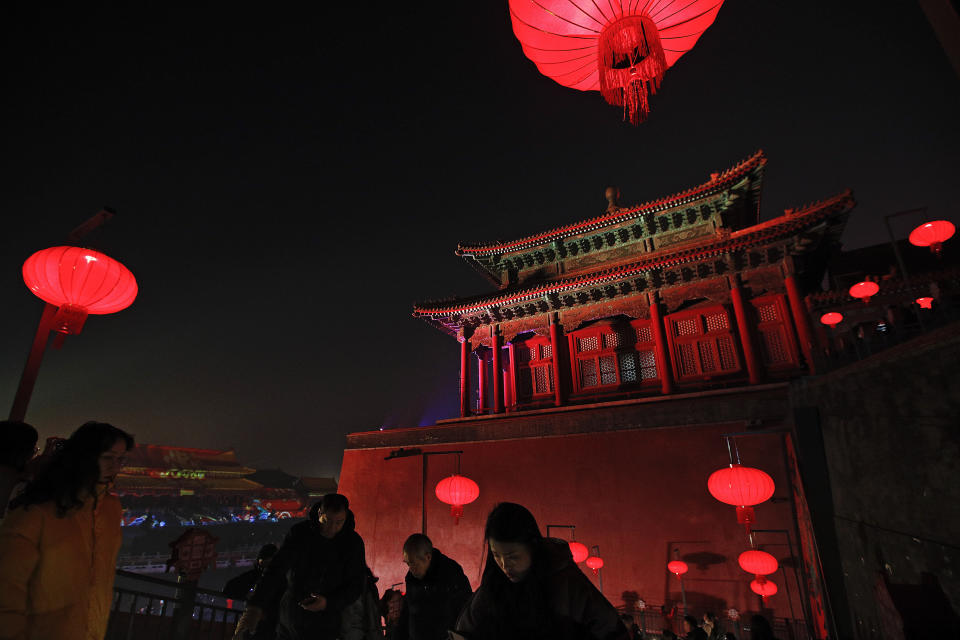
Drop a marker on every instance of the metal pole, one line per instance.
(32, 367)
(423, 496)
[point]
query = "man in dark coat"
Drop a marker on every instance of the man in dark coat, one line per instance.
(319, 571)
(239, 588)
(437, 590)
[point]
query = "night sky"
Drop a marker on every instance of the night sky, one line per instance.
(288, 185)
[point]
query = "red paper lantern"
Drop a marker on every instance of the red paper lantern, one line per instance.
(620, 49)
(925, 302)
(595, 563)
(457, 491)
(678, 567)
(741, 487)
(79, 282)
(763, 587)
(757, 562)
(831, 319)
(579, 552)
(864, 290)
(932, 234)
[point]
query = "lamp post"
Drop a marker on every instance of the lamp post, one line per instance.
(577, 549)
(424, 455)
(595, 562)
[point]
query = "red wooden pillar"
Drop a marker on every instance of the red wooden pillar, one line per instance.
(660, 340)
(510, 379)
(464, 378)
(801, 320)
(556, 344)
(497, 372)
(745, 329)
(482, 403)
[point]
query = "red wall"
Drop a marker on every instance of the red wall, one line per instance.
(637, 493)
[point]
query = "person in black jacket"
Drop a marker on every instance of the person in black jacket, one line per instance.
(319, 571)
(437, 589)
(531, 589)
(239, 588)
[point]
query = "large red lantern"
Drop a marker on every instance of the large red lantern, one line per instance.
(595, 563)
(864, 290)
(79, 282)
(758, 562)
(620, 49)
(741, 487)
(678, 567)
(457, 491)
(579, 552)
(925, 302)
(932, 234)
(831, 319)
(763, 587)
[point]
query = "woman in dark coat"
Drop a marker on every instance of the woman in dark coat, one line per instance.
(532, 589)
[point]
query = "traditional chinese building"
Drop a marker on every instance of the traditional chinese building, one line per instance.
(601, 381)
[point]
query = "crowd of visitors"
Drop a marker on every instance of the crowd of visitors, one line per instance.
(61, 532)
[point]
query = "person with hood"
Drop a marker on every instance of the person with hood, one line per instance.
(59, 542)
(318, 571)
(531, 589)
(437, 590)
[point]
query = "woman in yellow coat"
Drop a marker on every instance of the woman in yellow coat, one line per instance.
(59, 542)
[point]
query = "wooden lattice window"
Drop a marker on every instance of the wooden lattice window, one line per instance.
(702, 343)
(534, 368)
(611, 356)
(778, 350)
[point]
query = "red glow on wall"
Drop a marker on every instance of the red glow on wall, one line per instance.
(831, 319)
(763, 587)
(595, 563)
(80, 282)
(678, 567)
(457, 491)
(925, 303)
(579, 552)
(620, 50)
(932, 234)
(864, 290)
(758, 562)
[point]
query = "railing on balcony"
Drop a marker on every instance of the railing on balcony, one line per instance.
(145, 607)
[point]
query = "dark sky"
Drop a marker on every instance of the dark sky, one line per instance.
(288, 185)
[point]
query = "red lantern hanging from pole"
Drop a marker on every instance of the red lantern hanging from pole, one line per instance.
(831, 319)
(677, 567)
(579, 552)
(742, 487)
(79, 282)
(763, 587)
(595, 563)
(925, 302)
(932, 234)
(457, 491)
(619, 49)
(758, 562)
(864, 290)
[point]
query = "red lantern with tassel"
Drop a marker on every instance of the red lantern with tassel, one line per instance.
(579, 552)
(677, 567)
(758, 562)
(864, 290)
(742, 487)
(932, 234)
(457, 491)
(619, 49)
(595, 563)
(831, 319)
(763, 587)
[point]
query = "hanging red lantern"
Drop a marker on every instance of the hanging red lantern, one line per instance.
(619, 49)
(831, 319)
(864, 290)
(758, 562)
(678, 567)
(925, 303)
(457, 491)
(595, 563)
(763, 587)
(579, 552)
(932, 234)
(741, 487)
(79, 282)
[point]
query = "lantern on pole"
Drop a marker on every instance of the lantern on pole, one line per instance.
(932, 234)
(742, 487)
(595, 563)
(457, 491)
(864, 290)
(619, 49)
(79, 282)
(677, 567)
(579, 551)
(763, 587)
(925, 302)
(759, 563)
(831, 319)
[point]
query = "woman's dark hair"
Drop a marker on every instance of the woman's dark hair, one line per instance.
(74, 469)
(509, 522)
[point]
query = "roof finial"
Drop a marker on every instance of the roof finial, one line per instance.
(612, 194)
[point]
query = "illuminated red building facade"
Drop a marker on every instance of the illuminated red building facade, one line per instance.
(599, 383)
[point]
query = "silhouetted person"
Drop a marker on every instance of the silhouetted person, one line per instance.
(531, 589)
(319, 571)
(632, 628)
(691, 630)
(710, 626)
(59, 541)
(239, 588)
(437, 590)
(18, 444)
(391, 605)
(760, 629)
